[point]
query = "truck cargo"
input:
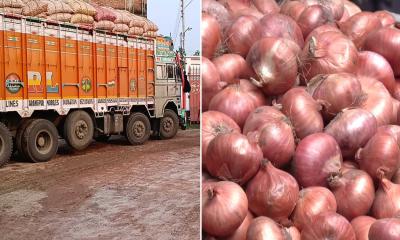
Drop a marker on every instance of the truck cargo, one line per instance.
(62, 80)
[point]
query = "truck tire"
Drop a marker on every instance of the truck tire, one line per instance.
(6, 145)
(18, 138)
(40, 141)
(78, 130)
(169, 124)
(137, 129)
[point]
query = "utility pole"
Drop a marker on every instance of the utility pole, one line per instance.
(183, 33)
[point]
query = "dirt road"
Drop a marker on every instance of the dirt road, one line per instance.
(110, 191)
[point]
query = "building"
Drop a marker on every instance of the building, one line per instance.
(193, 71)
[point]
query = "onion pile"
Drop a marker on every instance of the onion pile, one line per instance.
(300, 121)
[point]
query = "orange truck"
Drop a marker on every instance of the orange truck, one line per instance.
(62, 80)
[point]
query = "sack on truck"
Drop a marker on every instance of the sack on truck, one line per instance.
(11, 4)
(80, 7)
(55, 6)
(104, 14)
(82, 19)
(104, 25)
(121, 28)
(11, 10)
(60, 17)
(34, 7)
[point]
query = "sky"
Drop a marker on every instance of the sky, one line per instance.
(166, 14)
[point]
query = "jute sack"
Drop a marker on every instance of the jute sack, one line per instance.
(121, 28)
(82, 19)
(11, 3)
(60, 17)
(104, 25)
(34, 7)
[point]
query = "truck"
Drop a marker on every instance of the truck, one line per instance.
(67, 81)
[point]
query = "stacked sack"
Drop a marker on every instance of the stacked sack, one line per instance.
(34, 8)
(136, 25)
(122, 21)
(104, 18)
(83, 12)
(59, 11)
(150, 29)
(11, 6)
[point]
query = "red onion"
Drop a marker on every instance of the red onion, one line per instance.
(328, 225)
(317, 157)
(276, 141)
(313, 17)
(261, 116)
(393, 130)
(388, 229)
(248, 12)
(312, 202)
(292, 9)
(262, 228)
(281, 26)
(237, 101)
(328, 52)
(233, 157)
(210, 35)
(303, 112)
(232, 67)
(234, 6)
(321, 29)
(387, 200)
(386, 42)
(361, 226)
(292, 233)
(335, 7)
(272, 193)
(386, 18)
(266, 6)
(352, 129)
(224, 207)
(211, 82)
(241, 232)
(359, 26)
(242, 34)
(335, 92)
(380, 157)
(217, 10)
(213, 124)
(396, 177)
(354, 192)
(375, 66)
(351, 8)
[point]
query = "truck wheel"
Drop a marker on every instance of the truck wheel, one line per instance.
(40, 141)
(137, 129)
(78, 130)
(6, 144)
(169, 124)
(18, 138)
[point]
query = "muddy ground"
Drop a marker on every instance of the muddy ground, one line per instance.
(109, 191)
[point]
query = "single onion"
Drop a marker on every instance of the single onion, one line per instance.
(233, 157)
(386, 42)
(272, 193)
(217, 10)
(359, 26)
(352, 129)
(242, 34)
(375, 66)
(316, 158)
(393, 130)
(261, 116)
(387, 200)
(281, 26)
(210, 35)
(292, 9)
(328, 52)
(238, 101)
(321, 29)
(335, 92)
(380, 157)
(292, 233)
(388, 229)
(232, 67)
(361, 226)
(241, 232)
(266, 6)
(354, 192)
(312, 202)
(211, 82)
(328, 225)
(224, 207)
(313, 17)
(262, 228)
(335, 7)
(276, 141)
(386, 18)
(303, 112)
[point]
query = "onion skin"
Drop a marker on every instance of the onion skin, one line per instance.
(211, 82)
(388, 229)
(312, 167)
(335, 7)
(393, 130)
(359, 26)
(272, 193)
(241, 232)
(210, 35)
(238, 101)
(354, 192)
(224, 207)
(396, 107)
(321, 29)
(276, 141)
(313, 17)
(386, 42)
(361, 226)
(347, 125)
(396, 92)
(312, 202)
(232, 67)
(292, 9)
(292, 233)
(213, 124)
(261, 116)
(281, 26)
(327, 53)
(248, 12)
(387, 202)
(350, 9)
(262, 228)
(266, 6)
(335, 92)
(303, 112)
(380, 157)
(396, 177)
(375, 66)
(387, 19)
(328, 225)
(233, 157)
(217, 10)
